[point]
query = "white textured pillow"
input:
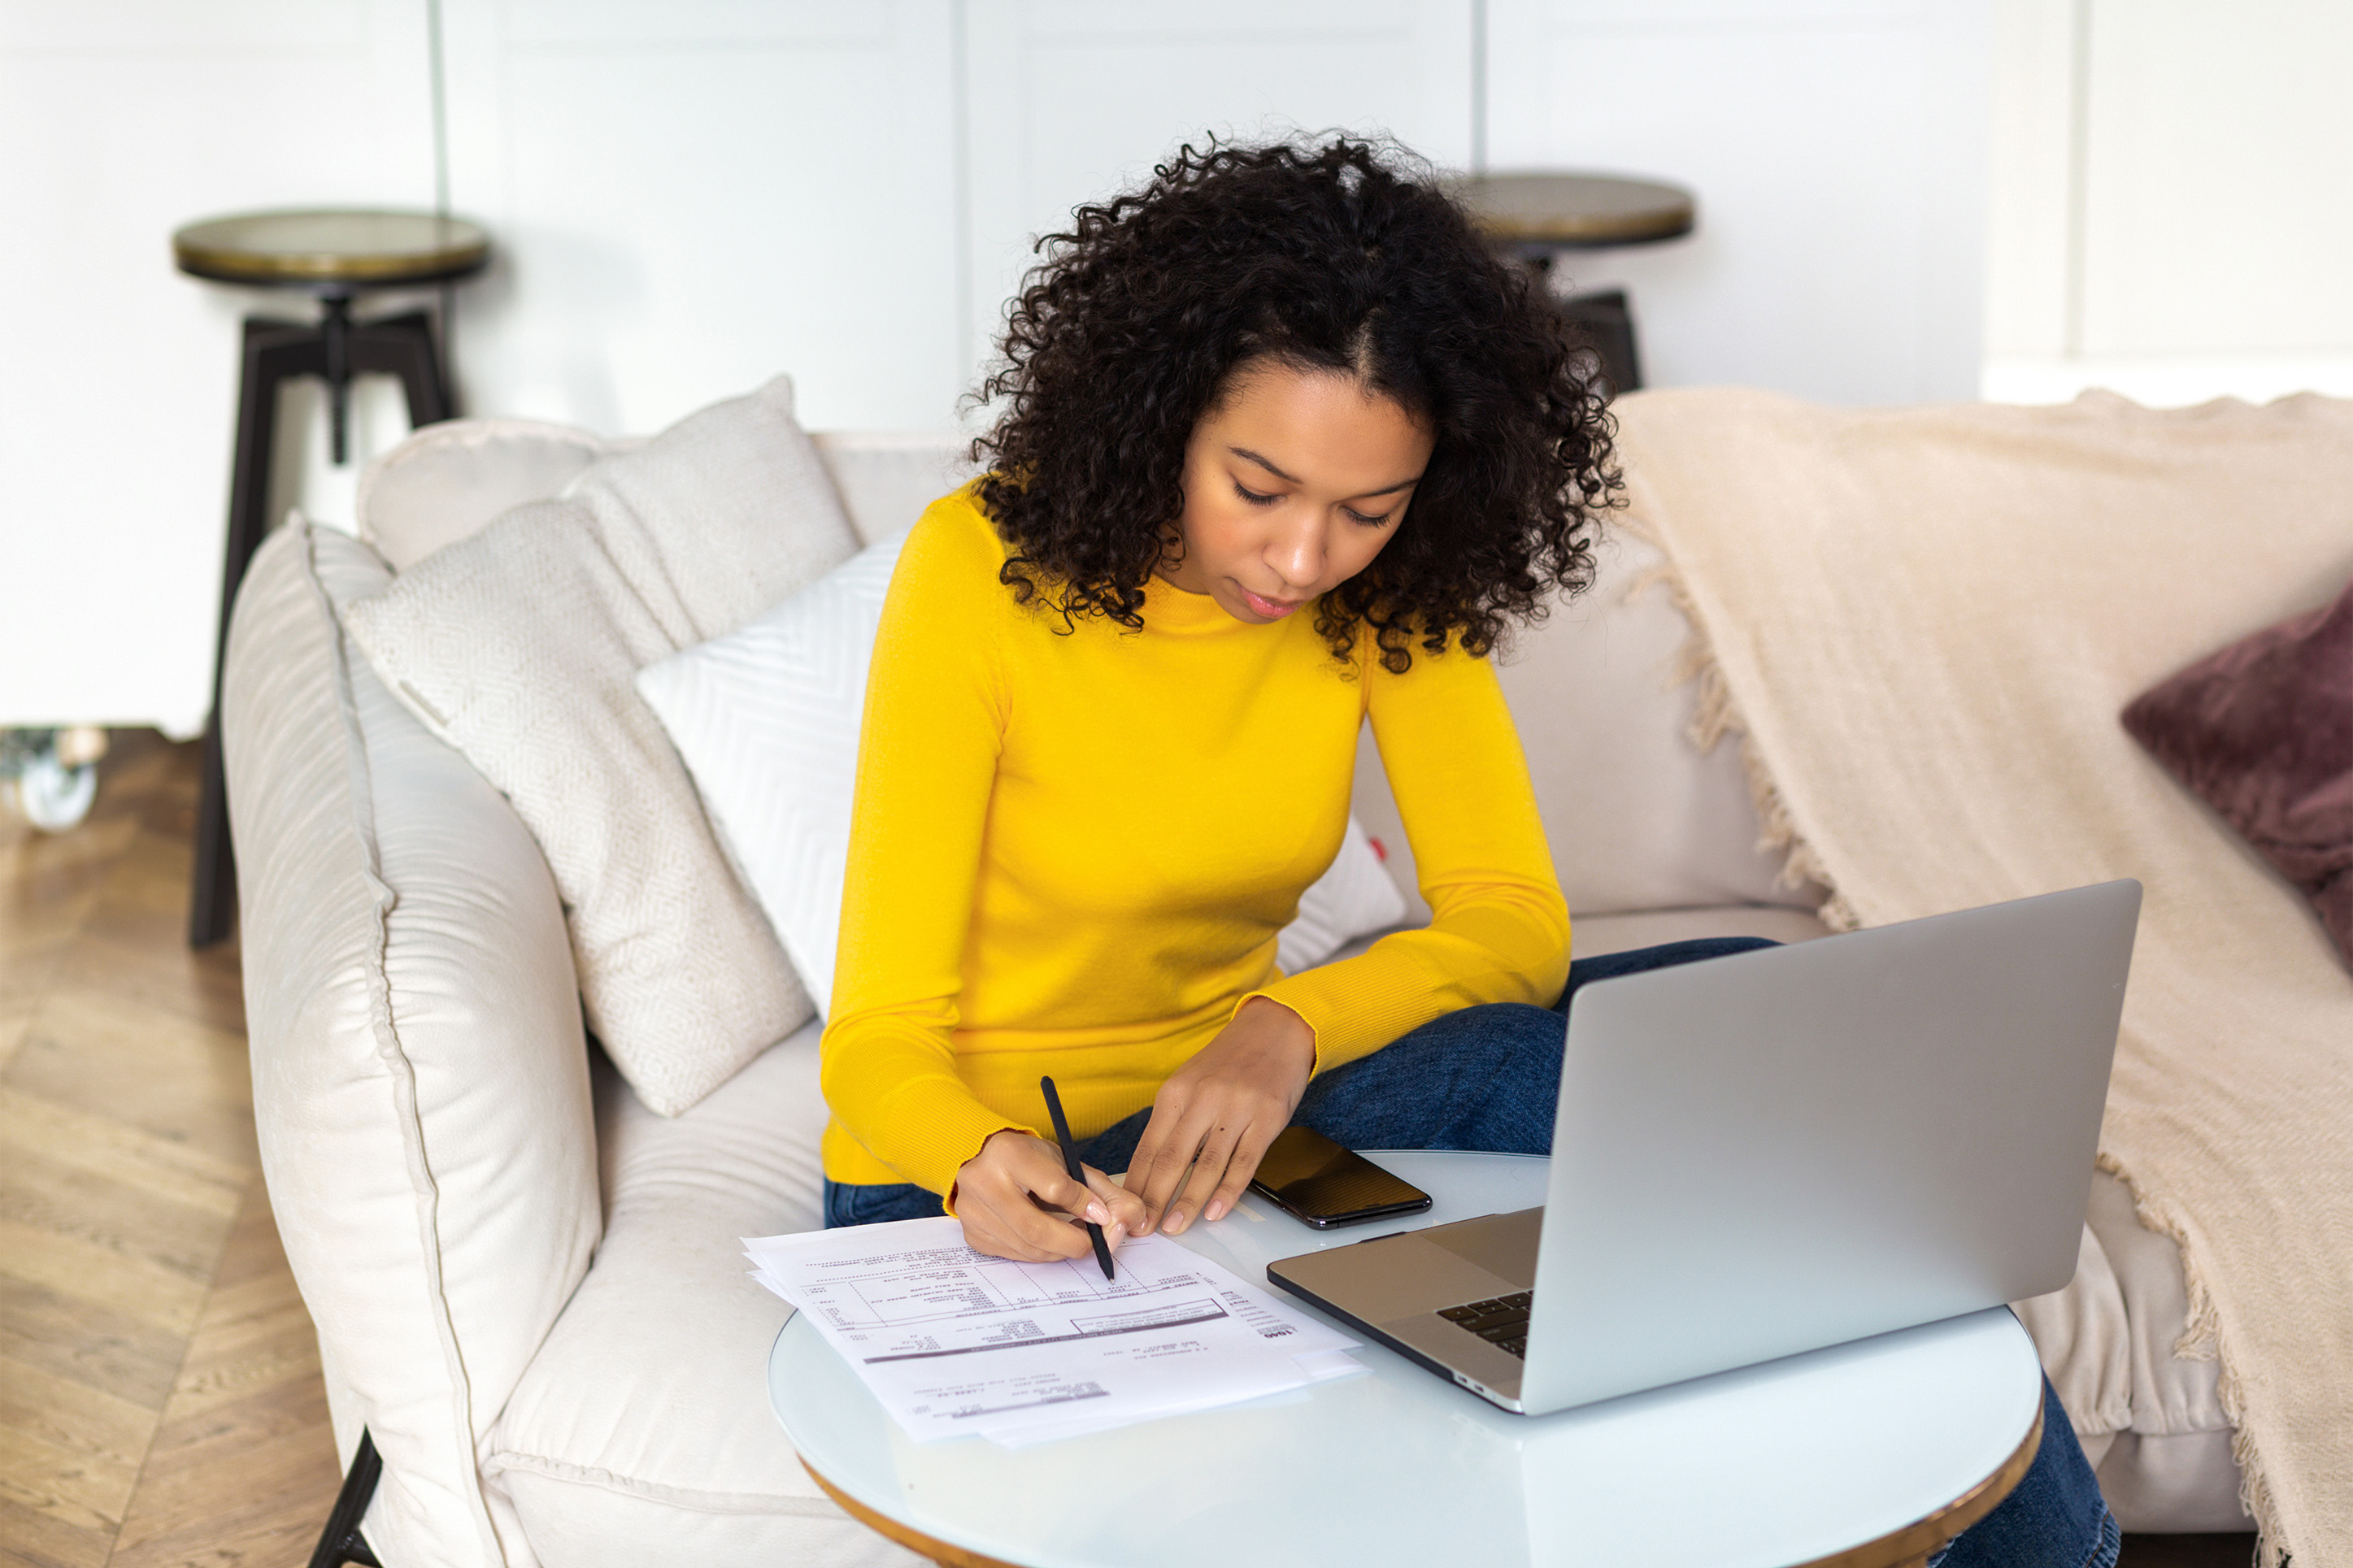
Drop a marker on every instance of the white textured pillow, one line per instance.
(767, 719)
(1353, 898)
(519, 645)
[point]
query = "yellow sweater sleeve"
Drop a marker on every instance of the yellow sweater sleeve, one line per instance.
(1499, 927)
(927, 758)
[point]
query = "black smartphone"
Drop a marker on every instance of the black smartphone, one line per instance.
(1313, 1180)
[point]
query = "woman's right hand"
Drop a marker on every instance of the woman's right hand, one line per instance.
(1016, 1201)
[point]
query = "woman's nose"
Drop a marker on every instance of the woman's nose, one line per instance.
(1296, 554)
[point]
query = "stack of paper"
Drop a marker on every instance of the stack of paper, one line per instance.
(953, 1341)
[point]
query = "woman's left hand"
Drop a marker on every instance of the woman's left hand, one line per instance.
(1216, 1115)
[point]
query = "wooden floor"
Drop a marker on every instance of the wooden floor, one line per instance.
(160, 1400)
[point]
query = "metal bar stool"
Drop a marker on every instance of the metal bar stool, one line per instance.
(1535, 217)
(335, 257)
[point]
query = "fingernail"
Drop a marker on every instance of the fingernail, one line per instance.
(1217, 1209)
(1174, 1224)
(1097, 1213)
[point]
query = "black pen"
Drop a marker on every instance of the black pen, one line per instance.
(1070, 1163)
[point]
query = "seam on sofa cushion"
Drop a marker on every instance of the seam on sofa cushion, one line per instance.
(400, 1072)
(503, 1460)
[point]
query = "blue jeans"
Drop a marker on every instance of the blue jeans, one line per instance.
(1489, 1079)
(2055, 1516)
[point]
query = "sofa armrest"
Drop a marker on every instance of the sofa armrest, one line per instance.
(420, 1077)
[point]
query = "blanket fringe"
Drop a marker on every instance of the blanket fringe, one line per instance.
(1717, 715)
(2202, 1340)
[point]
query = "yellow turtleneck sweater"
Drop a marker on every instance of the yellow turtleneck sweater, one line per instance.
(1070, 853)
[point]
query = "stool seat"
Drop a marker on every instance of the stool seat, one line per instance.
(332, 250)
(1577, 211)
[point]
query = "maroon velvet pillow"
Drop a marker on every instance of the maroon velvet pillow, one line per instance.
(2262, 732)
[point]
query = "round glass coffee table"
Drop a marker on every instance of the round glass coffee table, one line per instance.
(1863, 1455)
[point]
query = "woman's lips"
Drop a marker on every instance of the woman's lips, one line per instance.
(1272, 609)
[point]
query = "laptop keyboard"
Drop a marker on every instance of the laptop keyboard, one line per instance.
(1501, 1323)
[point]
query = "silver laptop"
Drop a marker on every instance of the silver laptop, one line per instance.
(1777, 1151)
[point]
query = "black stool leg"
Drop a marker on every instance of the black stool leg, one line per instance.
(404, 346)
(335, 335)
(1606, 326)
(341, 1541)
(273, 352)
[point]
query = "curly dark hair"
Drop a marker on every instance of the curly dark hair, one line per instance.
(1342, 255)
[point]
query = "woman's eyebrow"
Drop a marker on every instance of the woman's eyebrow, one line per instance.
(1244, 452)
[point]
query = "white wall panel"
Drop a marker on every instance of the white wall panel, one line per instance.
(123, 121)
(2219, 197)
(688, 198)
(2173, 200)
(2031, 214)
(1837, 151)
(1073, 100)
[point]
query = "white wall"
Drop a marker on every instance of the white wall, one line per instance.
(2173, 199)
(122, 120)
(1070, 102)
(1838, 150)
(687, 195)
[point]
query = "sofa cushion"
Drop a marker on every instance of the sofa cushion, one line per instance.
(420, 1083)
(446, 481)
(2151, 1419)
(1637, 816)
(886, 478)
(519, 645)
(642, 1431)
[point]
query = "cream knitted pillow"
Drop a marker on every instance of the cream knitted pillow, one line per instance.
(519, 645)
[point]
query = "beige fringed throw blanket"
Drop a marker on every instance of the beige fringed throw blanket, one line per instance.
(1926, 621)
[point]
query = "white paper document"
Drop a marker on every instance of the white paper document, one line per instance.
(953, 1341)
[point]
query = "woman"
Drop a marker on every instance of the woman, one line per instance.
(1283, 449)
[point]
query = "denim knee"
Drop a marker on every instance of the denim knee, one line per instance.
(852, 1203)
(2055, 1518)
(1462, 1081)
(1642, 960)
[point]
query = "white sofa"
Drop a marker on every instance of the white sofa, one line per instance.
(527, 1285)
